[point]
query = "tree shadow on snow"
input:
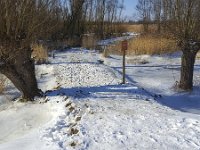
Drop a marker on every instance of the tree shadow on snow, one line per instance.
(103, 92)
(185, 101)
(182, 101)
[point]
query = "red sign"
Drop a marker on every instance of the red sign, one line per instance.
(124, 45)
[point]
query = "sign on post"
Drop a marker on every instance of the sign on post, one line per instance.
(123, 49)
(124, 45)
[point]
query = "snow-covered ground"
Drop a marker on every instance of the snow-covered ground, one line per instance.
(86, 107)
(159, 76)
(126, 36)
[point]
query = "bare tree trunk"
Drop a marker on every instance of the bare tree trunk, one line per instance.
(144, 7)
(187, 68)
(21, 71)
(21, 23)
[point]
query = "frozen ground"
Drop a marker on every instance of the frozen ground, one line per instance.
(86, 107)
(126, 36)
(159, 75)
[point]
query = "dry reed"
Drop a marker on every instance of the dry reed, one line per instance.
(138, 28)
(149, 44)
(2, 84)
(89, 41)
(145, 44)
(40, 53)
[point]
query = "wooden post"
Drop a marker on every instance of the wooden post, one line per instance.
(124, 48)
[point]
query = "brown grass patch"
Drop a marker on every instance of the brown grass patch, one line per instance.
(40, 53)
(150, 44)
(2, 84)
(133, 28)
(145, 44)
(198, 55)
(138, 28)
(89, 41)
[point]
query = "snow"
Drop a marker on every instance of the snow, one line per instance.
(87, 108)
(158, 75)
(126, 36)
(21, 126)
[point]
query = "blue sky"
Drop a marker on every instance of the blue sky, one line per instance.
(130, 7)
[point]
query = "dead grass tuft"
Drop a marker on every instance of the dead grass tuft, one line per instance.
(198, 55)
(40, 53)
(2, 84)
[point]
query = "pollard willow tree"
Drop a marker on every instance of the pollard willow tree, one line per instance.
(183, 21)
(21, 22)
(24, 21)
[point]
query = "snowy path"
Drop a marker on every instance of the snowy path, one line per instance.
(101, 114)
(91, 110)
(136, 124)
